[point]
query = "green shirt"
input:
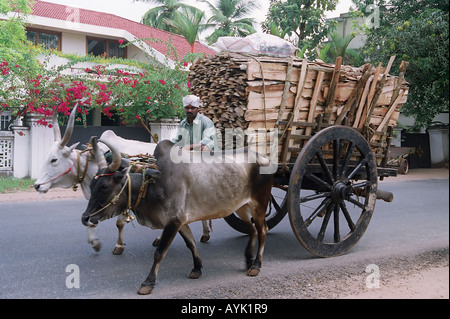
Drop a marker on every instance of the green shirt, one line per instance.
(201, 131)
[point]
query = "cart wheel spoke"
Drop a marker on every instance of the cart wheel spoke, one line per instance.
(336, 146)
(337, 233)
(348, 156)
(324, 166)
(357, 168)
(346, 214)
(356, 202)
(313, 197)
(318, 211)
(334, 178)
(318, 180)
(324, 226)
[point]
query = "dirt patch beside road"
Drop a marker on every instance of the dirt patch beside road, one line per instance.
(32, 195)
(423, 276)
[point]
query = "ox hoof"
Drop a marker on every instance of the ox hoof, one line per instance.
(96, 245)
(118, 249)
(195, 274)
(252, 272)
(204, 238)
(145, 290)
(156, 242)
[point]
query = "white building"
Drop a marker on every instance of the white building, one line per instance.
(79, 31)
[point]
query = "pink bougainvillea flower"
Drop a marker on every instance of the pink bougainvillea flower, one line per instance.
(162, 82)
(120, 41)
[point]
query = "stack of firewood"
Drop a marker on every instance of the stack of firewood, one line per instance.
(297, 96)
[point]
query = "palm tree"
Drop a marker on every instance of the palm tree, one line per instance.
(166, 11)
(187, 23)
(338, 46)
(229, 18)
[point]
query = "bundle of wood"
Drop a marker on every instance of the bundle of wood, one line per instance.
(298, 97)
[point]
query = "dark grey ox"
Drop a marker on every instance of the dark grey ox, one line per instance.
(182, 193)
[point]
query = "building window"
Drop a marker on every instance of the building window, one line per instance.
(4, 120)
(50, 40)
(109, 48)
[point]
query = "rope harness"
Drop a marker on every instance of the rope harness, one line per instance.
(79, 175)
(135, 167)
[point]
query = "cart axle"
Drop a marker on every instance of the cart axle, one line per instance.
(385, 195)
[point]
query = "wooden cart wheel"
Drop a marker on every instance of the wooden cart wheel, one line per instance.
(404, 166)
(332, 191)
(275, 212)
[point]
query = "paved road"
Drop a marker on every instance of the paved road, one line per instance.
(43, 245)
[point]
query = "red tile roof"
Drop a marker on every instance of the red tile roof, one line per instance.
(59, 12)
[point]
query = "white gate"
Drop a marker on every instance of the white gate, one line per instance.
(6, 152)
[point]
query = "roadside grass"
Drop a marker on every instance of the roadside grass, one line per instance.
(11, 184)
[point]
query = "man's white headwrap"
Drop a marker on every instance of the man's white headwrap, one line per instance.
(191, 100)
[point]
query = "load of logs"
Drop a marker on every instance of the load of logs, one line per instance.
(298, 97)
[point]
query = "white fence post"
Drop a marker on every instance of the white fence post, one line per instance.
(41, 140)
(21, 153)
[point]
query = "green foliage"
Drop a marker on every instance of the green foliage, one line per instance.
(187, 23)
(11, 184)
(303, 20)
(338, 46)
(14, 46)
(416, 32)
(230, 18)
(157, 16)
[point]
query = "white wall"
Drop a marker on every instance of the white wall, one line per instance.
(73, 43)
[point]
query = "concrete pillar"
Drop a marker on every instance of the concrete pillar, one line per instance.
(166, 129)
(438, 145)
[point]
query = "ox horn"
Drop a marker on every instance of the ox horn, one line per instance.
(117, 158)
(101, 160)
(56, 130)
(69, 129)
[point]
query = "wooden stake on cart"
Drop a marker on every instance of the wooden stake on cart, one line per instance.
(294, 115)
(332, 91)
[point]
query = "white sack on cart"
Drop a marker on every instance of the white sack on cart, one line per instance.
(256, 44)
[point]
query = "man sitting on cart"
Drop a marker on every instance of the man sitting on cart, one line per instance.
(196, 131)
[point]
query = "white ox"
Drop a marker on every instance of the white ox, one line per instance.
(66, 167)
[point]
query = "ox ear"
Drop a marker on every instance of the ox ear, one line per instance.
(70, 149)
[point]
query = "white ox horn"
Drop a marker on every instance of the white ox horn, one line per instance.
(56, 130)
(69, 129)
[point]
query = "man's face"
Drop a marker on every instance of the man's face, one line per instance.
(191, 112)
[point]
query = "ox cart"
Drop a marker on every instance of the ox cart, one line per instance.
(332, 125)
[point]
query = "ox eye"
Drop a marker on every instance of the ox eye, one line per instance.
(53, 160)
